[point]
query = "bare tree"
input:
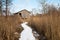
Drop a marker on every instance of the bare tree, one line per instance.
(0, 7)
(5, 5)
(8, 2)
(43, 4)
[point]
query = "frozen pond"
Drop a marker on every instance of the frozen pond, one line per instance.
(26, 34)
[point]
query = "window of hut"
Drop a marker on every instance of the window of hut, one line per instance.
(20, 14)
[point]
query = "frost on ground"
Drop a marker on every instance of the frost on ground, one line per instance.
(27, 32)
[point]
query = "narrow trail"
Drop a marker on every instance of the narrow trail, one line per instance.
(27, 32)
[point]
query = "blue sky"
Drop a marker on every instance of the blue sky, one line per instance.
(28, 4)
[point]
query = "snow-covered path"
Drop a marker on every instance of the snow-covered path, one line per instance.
(27, 32)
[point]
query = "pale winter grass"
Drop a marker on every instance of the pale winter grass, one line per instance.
(8, 26)
(47, 24)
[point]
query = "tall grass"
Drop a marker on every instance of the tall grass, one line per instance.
(48, 23)
(8, 26)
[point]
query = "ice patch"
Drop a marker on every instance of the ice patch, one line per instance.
(27, 32)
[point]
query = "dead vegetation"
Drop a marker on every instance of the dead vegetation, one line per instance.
(47, 24)
(9, 26)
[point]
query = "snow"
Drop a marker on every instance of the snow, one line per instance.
(27, 32)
